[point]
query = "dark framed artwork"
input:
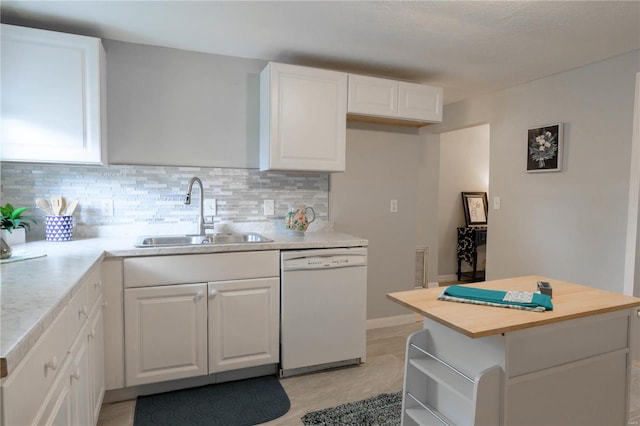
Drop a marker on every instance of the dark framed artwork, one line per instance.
(475, 208)
(545, 148)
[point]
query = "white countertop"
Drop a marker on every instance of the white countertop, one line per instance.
(34, 291)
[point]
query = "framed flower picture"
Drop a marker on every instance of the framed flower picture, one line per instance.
(544, 148)
(475, 208)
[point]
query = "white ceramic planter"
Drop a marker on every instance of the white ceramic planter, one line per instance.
(17, 236)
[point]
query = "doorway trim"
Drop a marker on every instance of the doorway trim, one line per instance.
(634, 203)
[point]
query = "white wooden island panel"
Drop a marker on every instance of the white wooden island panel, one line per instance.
(485, 365)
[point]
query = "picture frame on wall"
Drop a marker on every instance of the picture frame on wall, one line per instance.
(475, 208)
(545, 148)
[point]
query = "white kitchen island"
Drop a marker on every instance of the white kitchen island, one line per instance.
(474, 364)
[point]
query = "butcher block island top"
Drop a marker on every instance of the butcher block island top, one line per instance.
(569, 300)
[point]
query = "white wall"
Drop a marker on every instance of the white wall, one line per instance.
(382, 163)
(569, 225)
(465, 153)
(632, 261)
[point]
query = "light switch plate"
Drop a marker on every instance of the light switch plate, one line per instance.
(210, 207)
(394, 206)
(496, 203)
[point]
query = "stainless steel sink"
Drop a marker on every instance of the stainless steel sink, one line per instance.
(190, 240)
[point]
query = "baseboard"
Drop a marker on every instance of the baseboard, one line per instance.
(433, 284)
(116, 395)
(450, 277)
(390, 321)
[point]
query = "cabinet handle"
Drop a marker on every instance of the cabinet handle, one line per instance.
(52, 364)
(76, 374)
(92, 334)
(213, 293)
(105, 304)
(82, 311)
(198, 297)
(97, 284)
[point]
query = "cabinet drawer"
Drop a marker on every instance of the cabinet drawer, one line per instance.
(544, 347)
(94, 287)
(77, 312)
(26, 387)
(166, 270)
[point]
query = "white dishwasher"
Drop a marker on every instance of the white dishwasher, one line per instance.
(323, 309)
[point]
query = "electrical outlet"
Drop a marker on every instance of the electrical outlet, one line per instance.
(107, 207)
(210, 207)
(394, 206)
(269, 207)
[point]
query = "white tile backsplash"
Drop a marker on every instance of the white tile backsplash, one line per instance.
(152, 197)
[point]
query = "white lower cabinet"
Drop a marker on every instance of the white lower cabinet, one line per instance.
(96, 358)
(59, 411)
(243, 323)
(442, 390)
(228, 322)
(165, 333)
(61, 380)
(573, 372)
(80, 378)
(77, 398)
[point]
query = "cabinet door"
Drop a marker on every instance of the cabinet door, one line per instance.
(51, 97)
(112, 280)
(243, 323)
(419, 102)
(165, 333)
(58, 411)
(372, 96)
(96, 359)
(28, 386)
(302, 119)
(80, 375)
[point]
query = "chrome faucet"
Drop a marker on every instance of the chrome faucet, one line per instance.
(201, 224)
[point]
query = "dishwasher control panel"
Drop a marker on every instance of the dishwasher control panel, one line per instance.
(321, 259)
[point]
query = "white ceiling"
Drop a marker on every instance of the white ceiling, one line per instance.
(468, 47)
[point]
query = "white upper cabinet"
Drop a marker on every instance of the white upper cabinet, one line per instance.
(419, 102)
(372, 96)
(396, 101)
(53, 97)
(303, 114)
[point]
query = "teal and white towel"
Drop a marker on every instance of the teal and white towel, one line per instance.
(504, 299)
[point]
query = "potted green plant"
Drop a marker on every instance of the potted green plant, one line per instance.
(14, 225)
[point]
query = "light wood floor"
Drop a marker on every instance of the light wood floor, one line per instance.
(382, 373)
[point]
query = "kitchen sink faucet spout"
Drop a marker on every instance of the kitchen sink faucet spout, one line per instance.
(187, 200)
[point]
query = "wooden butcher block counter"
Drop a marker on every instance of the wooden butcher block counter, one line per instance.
(569, 301)
(486, 365)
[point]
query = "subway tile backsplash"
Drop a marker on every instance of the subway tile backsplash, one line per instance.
(154, 195)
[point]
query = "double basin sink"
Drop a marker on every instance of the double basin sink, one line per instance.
(192, 240)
